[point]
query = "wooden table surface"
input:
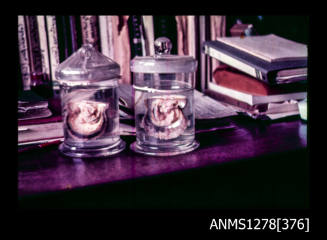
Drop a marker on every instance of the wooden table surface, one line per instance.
(253, 165)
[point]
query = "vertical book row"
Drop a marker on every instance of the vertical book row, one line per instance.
(44, 41)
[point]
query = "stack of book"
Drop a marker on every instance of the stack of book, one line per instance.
(39, 120)
(262, 76)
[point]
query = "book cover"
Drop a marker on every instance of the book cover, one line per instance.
(229, 77)
(240, 29)
(90, 30)
(23, 54)
(33, 43)
(40, 133)
(27, 110)
(53, 47)
(254, 66)
(291, 75)
(264, 111)
(270, 48)
(32, 106)
(256, 99)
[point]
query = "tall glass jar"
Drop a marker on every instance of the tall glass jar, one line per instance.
(164, 102)
(88, 89)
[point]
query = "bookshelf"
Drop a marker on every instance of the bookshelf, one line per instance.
(47, 40)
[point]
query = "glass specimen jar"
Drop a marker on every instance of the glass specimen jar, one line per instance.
(88, 84)
(164, 107)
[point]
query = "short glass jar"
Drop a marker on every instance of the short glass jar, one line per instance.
(88, 84)
(164, 102)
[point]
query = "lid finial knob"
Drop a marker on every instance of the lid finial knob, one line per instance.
(162, 45)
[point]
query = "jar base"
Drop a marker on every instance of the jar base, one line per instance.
(156, 151)
(106, 151)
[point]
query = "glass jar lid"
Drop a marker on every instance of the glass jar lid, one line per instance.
(85, 66)
(163, 61)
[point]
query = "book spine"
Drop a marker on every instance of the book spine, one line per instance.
(103, 28)
(34, 44)
(19, 76)
(106, 36)
(149, 34)
(248, 63)
(61, 38)
(53, 47)
(111, 37)
(44, 45)
(122, 46)
(78, 29)
(142, 32)
(135, 32)
(182, 43)
(217, 30)
(246, 98)
(255, 100)
(203, 36)
(67, 36)
(73, 32)
(191, 36)
(279, 97)
(236, 63)
(90, 30)
(23, 53)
